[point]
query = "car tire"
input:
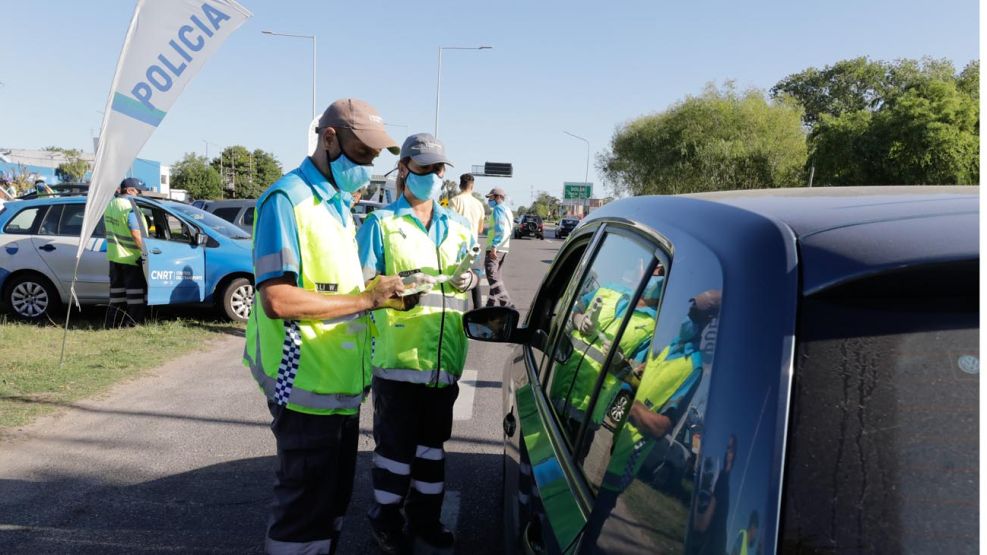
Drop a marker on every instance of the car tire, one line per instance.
(238, 298)
(31, 297)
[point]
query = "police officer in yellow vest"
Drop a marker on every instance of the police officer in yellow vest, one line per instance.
(308, 334)
(418, 355)
(124, 248)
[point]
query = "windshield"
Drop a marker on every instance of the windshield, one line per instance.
(205, 218)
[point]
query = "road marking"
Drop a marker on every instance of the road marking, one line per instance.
(463, 409)
(450, 510)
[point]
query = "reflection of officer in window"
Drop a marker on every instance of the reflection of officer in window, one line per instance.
(747, 538)
(595, 322)
(667, 385)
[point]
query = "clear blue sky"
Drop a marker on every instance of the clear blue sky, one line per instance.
(585, 67)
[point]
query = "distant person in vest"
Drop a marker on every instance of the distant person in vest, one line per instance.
(124, 250)
(471, 208)
(499, 230)
(308, 334)
(418, 355)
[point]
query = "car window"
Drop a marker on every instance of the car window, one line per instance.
(228, 213)
(201, 217)
(248, 216)
(650, 457)
(70, 223)
(178, 231)
(601, 303)
(621, 379)
(23, 222)
(49, 225)
(883, 450)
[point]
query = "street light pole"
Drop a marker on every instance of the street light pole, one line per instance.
(438, 78)
(314, 48)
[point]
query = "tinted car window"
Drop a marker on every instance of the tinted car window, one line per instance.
(71, 221)
(883, 452)
(620, 382)
(601, 304)
(652, 464)
(229, 213)
(248, 216)
(23, 222)
(205, 218)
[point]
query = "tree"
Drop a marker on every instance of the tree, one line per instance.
(878, 123)
(74, 168)
(246, 174)
(193, 174)
(718, 140)
(545, 205)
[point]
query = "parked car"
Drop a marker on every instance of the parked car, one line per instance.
(239, 212)
(58, 189)
(193, 257)
(802, 368)
(565, 227)
(530, 224)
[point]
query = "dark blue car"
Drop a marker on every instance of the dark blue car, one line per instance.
(749, 372)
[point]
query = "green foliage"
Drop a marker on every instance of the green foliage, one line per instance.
(878, 123)
(545, 205)
(246, 174)
(718, 140)
(74, 169)
(193, 174)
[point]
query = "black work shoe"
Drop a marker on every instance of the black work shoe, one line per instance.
(390, 541)
(436, 536)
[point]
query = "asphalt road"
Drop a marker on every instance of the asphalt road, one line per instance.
(181, 460)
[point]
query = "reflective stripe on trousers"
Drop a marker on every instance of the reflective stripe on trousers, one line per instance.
(316, 547)
(408, 375)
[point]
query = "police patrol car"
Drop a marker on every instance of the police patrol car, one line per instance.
(193, 257)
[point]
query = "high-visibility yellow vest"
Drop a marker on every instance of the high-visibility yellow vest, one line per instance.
(426, 344)
(120, 245)
(312, 366)
(662, 378)
(575, 378)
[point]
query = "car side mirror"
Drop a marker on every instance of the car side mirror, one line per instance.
(494, 324)
(563, 350)
(198, 239)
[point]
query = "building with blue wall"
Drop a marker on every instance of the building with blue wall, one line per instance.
(41, 164)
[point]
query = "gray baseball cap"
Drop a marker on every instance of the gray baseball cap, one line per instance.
(497, 192)
(424, 149)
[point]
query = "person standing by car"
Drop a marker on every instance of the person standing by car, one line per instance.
(499, 229)
(418, 355)
(124, 251)
(470, 208)
(308, 336)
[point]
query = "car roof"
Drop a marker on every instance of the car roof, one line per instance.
(841, 233)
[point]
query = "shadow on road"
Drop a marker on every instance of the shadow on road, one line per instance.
(217, 509)
(146, 414)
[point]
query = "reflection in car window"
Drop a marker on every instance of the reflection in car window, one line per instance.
(602, 303)
(653, 455)
(248, 216)
(621, 381)
(177, 230)
(23, 222)
(70, 223)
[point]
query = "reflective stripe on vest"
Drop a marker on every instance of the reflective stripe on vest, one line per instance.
(409, 375)
(435, 299)
(326, 371)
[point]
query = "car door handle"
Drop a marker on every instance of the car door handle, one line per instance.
(47, 248)
(510, 425)
(155, 251)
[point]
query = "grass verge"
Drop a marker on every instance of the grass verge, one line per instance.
(32, 383)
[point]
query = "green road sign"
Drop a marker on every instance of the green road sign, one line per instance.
(576, 190)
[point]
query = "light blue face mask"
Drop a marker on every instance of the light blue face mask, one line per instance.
(424, 187)
(349, 175)
(491, 203)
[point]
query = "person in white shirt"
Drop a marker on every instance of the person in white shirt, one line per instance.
(471, 208)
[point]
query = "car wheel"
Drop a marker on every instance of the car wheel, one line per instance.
(31, 297)
(238, 298)
(619, 408)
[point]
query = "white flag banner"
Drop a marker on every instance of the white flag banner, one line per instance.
(167, 44)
